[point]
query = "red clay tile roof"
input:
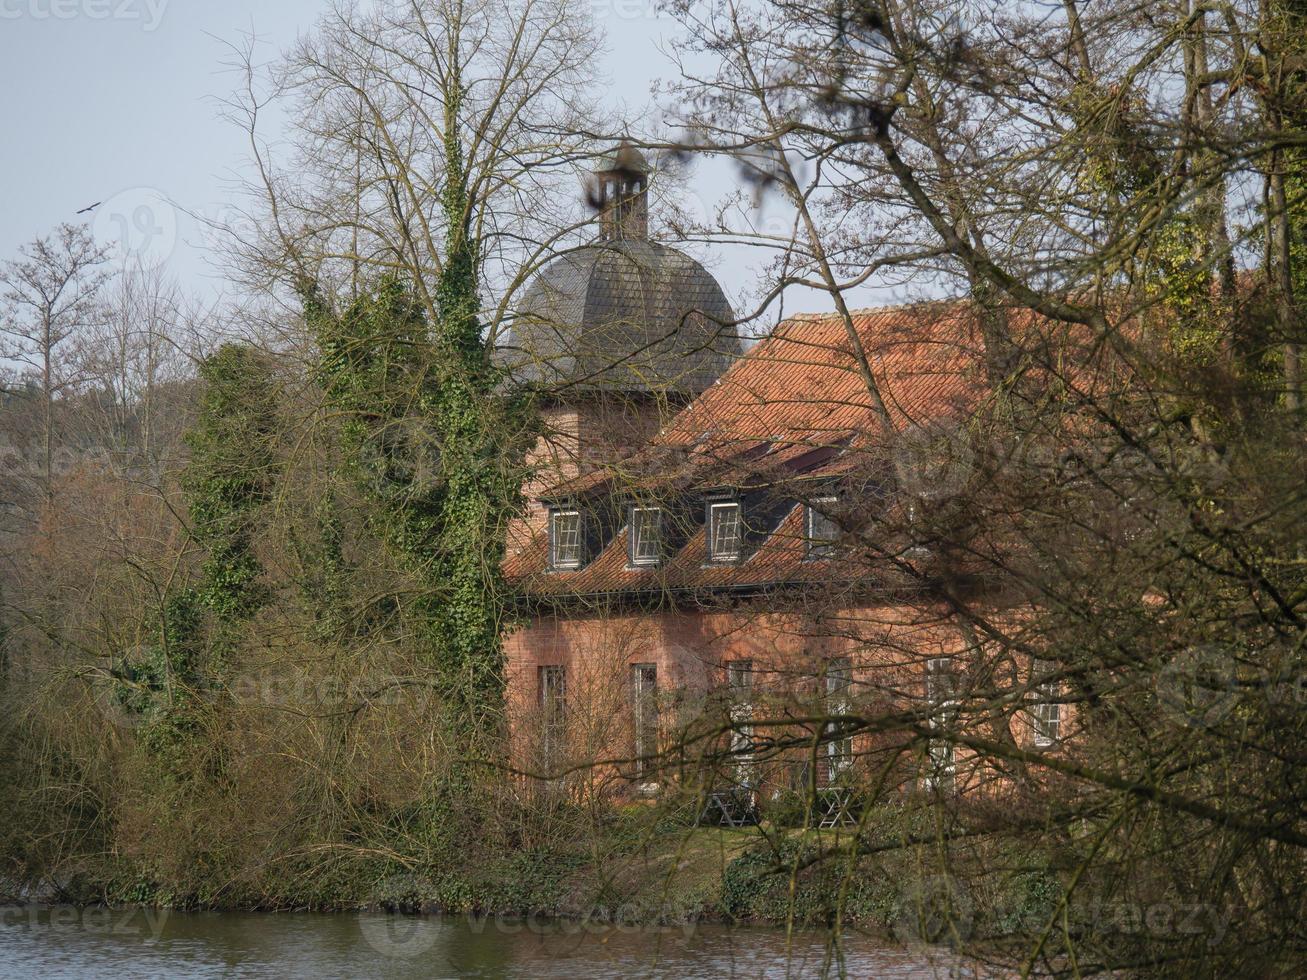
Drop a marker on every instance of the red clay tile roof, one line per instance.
(802, 385)
(794, 407)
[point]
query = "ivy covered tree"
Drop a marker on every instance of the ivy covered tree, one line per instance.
(232, 475)
(229, 480)
(437, 197)
(437, 445)
(438, 452)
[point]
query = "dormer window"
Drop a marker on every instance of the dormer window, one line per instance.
(646, 535)
(565, 539)
(724, 531)
(822, 531)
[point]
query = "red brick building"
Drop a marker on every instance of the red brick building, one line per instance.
(722, 543)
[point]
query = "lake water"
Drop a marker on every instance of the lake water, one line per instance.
(125, 944)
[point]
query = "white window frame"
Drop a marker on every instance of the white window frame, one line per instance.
(552, 683)
(838, 683)
(739, 674)
(1046, 712)
(722, 507)
(644, 718)
(939, 751)
(554, 560)
(820, 548)
(739, 681)
(637, 539)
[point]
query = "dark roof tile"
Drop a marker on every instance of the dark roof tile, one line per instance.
(625, 315)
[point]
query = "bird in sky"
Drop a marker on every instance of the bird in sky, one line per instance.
(90, 207)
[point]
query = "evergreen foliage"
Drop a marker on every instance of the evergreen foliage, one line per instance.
(229, 480)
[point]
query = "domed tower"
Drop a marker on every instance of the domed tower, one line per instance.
(619, 333)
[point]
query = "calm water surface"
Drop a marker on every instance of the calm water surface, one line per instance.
(118, 944)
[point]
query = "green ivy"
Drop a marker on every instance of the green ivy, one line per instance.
(228, 480)
(437, 452)
(436, 447)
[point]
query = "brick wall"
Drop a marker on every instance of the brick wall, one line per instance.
(888, 648)
(578, 438)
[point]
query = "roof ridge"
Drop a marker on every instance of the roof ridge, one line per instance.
(872, 310)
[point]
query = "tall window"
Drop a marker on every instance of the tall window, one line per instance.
(724, 532)
(822, 530)
(739, 677)
(646, 535)
(839, 740)
(739, 681)
(1047, 710)
(941, 693)
(644, 704)
(565, 538)
(553, 712)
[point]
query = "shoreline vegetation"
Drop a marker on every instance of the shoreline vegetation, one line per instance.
(645, 869)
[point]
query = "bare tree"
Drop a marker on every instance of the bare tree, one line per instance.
(378, 94)
(50, 293)
(130, 360)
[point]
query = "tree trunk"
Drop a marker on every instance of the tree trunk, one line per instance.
(47, 391)
(1280, 274)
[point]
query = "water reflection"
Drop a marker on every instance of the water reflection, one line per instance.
(119, 943)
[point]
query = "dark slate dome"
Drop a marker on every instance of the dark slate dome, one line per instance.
(623, 314)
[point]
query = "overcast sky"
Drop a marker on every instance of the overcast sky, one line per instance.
(115, 101)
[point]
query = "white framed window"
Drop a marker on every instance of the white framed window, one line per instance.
(565, 539)
(838, 684)
(941, 681)
(739, 677)
(1046, 712)
(724, 531)
(552, 682)
(941, 693)
(739, 681)
(646, 535)
(822, 531)
(644, 707)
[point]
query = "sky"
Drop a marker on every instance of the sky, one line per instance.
(117, 102)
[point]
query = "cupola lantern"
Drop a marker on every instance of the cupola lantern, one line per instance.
(622, 195)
